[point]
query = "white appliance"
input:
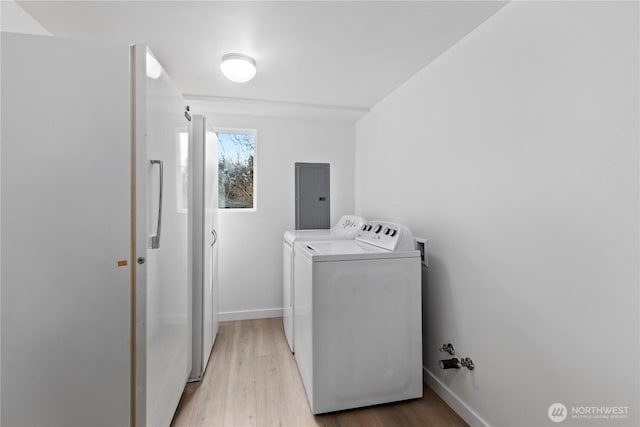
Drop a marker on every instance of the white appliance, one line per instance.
(346, 228)
(358, 318)
(204, 219)
(95, 311)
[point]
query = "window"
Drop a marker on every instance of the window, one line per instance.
(236, 168)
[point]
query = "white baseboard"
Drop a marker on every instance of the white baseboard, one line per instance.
(249, 314)
(454, 401)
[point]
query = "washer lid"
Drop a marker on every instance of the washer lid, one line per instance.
(348, 250)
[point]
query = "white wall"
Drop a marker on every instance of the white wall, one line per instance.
(14, 19)
(516, 153)
(250, 255)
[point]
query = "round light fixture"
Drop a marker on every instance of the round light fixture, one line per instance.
(237, 67)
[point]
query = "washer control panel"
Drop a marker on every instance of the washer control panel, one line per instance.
(386, 235)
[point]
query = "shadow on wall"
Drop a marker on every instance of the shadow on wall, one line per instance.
(439, 325)
(437, 313)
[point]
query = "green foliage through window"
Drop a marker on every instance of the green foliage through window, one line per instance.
(235, 169)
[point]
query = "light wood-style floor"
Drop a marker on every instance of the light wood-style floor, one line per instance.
(252, 380)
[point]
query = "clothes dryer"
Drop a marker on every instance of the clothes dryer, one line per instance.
(346, 228)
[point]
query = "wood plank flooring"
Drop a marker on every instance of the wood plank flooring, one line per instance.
(252, 380)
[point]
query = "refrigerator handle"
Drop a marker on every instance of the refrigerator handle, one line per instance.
(214, 235)
(155, 239)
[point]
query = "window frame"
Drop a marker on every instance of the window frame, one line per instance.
(245, 131)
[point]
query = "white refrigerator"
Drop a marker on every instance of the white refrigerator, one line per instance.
(95, 311)
(204, 217)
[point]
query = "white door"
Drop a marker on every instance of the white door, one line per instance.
(71, 279)
(163, 292)
(205, 242)
(211, 247)
(66, 235)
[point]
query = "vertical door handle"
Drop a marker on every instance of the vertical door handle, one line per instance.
(214, 237)
(155, 239)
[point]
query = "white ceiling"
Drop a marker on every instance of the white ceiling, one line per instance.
(327, 53)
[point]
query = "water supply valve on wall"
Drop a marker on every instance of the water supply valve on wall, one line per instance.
(448, 348)
(454, 362)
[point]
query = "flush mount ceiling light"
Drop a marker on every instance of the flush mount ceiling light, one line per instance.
(237, 67)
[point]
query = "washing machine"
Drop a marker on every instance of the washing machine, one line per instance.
(346, 228)
(358, 318)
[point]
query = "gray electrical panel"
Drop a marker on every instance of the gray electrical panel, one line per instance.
(313, 202)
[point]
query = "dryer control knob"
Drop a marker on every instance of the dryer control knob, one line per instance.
(377, 229)
(387, 231)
